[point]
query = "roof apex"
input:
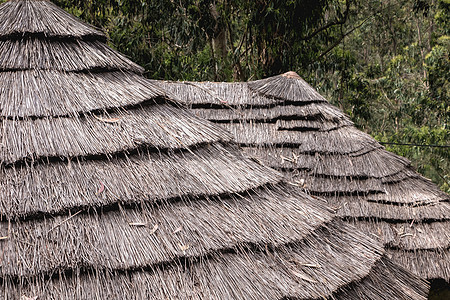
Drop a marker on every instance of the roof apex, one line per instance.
(288, 87)
(291, 74)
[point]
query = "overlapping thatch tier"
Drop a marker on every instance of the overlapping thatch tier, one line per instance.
(110, 191)
(284, 123)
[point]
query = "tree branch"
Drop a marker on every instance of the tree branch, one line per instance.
(343, 36)
(334, 23)
(351, 30)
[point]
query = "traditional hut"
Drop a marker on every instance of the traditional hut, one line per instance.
(108, 190)
(286, 124)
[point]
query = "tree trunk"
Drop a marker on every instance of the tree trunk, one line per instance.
(219, 37)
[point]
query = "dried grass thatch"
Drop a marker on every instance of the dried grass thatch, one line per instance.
(50, 93)
(284, 123)
(21, 18)
(109, 191)
(81, 56)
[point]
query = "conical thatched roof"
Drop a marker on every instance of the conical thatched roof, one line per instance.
(284, 123)
(109, 191)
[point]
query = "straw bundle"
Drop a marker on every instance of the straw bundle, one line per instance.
(108, 190)
(285, 124)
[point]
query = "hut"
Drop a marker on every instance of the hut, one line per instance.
(109, 190)
(287, 125)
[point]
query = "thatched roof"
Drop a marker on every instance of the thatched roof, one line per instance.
(285, 124)
(108, 190)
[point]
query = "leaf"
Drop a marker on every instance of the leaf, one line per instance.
(303, 277)
(101, 189)
(177, 230)
(109, 120)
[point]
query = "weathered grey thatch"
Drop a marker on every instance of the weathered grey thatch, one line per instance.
(285, 124)
(110, 191)
(21, 18)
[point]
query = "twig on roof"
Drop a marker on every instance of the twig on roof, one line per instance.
(60, 223)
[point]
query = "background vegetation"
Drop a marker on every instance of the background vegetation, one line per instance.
(385, 63)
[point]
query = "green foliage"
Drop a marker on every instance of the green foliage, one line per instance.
(399, 83)
(438, 66)
(180, 39)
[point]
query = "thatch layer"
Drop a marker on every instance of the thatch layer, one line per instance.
(408, 236)
(415, 190)
(200, 94)
(340, 165)
(342, 140)
(22, 17)
(158, 126)
(35, 53)
(263, 93)
(412, 191)
(294, 271)
(306, 125)
(360, 207)
(283, 123)
(372, 284)
(223, 278)
(293, 89)
(312, 111)
(324, 185)
(109, 191)
(150, 176)
(429, 264)
(37, 93)
(128, 239)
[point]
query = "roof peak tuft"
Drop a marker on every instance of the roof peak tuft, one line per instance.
(282, 87)
(291, 74)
